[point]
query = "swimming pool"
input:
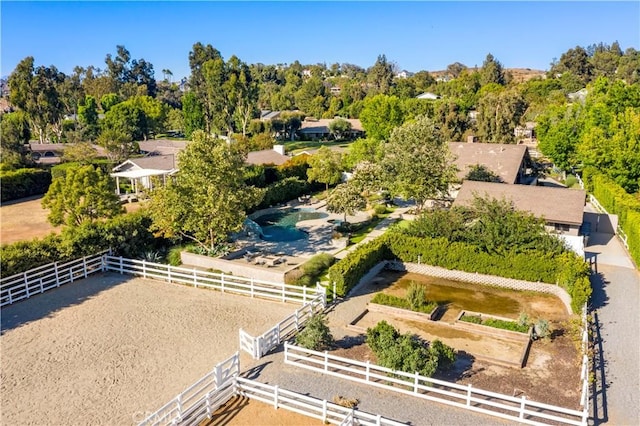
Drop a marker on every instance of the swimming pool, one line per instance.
(282, 226)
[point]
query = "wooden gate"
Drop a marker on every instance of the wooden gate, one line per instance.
(249, 344)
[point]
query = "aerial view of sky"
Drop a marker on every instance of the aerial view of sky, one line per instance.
(424, 35)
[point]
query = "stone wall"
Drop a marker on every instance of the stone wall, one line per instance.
(482, 279)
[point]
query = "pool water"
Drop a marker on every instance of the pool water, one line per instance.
(282, 226)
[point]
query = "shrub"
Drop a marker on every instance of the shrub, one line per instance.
(347, 272)
(415, 295)
(407, 352)
(23, 183)
(571, 180)
(542, 328)
(380, 209)
(316, 334)
(284, 190)
(473, 319)
(523, 319)
(505, 325)
(313, 269)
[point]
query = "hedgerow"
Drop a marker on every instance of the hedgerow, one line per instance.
(16, 184)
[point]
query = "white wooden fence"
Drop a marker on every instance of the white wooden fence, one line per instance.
(261, 345)
(214, 281)
(201, 399)
(38, 280)
(586, 362)
(315, 408)
(507, 407)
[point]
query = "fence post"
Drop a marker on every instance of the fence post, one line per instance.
(179, 407)
(218, 377)
(304, 295)
(334, 293)
(71, 273)
(195, 278)
(275, 397)
(326, 361)
(26, 284)
(416, 379)
(324, 411)
(103, 262)
(523, 403)
(84, 266)
(367, 370)
(121, 266)
(55, 271)
(278, 332)
(144, 268)
(378, 419)
(469, 395)
(41, 286)
(222, 284)
(208, 405)
(297, 319)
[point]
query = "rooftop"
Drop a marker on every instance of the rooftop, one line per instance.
(557, 205)
(502, 159)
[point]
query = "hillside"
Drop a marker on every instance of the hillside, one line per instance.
(519, 74)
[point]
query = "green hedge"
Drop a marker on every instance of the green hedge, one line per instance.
(399, 302)
(22, 183)
(60, 170)
(617, 201)
(284, 190)
(567, 269)
(128, 235)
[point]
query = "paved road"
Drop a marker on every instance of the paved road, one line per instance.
(616, 304)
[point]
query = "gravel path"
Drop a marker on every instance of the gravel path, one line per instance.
(110, 348)
(616, 300)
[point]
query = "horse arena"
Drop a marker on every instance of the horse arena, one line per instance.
(111, 349)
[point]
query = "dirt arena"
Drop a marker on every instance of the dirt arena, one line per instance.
(111, 348)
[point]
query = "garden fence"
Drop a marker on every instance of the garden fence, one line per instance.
(38, 280)
(263, 344)
(210, 280)
(507, 407)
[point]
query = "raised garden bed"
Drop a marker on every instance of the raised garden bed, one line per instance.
(491, 324)
(403, 312)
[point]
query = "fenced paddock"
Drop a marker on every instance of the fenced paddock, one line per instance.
(519, 410)
(111, 348)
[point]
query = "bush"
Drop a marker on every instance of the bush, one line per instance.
(316, 334)
(542, 328)
(407, 352)
(313, 269)
(283, 191)
(380, 209)
(60, 170)
(415, 295)
(473, 319)
(23, 183)
(398, 302)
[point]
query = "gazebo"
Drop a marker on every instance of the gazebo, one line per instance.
(139, 171)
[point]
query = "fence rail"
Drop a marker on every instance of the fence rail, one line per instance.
(38, 280)
(467, 397)
(263, 344)
(315, 408)
(210, 280)
(200, 399)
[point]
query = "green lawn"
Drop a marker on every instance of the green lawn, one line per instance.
(362, 231)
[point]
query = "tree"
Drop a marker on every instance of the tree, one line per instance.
(366, 177)
(339, 128)
(88, 117)
(127, 118)
(118, 144)
(326, 167)
(367, 149)
(109, 100)
(81, 153)
(575, 61)
(380, 115)
(416, 162)
(480, 173)
(316, 335)
(492, 71)
(82, 194)
(380, 76)
(209, 197)
(346, 199)
(456, 69)
(14, 128)
(499, 114)
(192, 114)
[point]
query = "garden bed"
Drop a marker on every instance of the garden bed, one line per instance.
(483, 327)
(403, 312)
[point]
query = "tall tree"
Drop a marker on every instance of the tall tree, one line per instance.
(492, 71)
(417, 163)
(82, 194)
(326, 167)
(209, 197)
(380, 115)
(499, 114)
(88, 117)
(380, 76)
(193, 114)
(346, 199)
(245, 93)
(14, 134)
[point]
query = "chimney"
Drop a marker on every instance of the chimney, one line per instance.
(472, 139)
(279, 149)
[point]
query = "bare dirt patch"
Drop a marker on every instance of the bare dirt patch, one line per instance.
(26, 220)
(112, 349)
(241, 411)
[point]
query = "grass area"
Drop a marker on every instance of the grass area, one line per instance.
(361, 230)
(495, 323)
(296, 146)
(399, 302)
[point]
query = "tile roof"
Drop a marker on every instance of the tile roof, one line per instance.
(502, 159)
(558, 205)
(266, 156)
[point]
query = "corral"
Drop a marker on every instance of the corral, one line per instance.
(110, 349)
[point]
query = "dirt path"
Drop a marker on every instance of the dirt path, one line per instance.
(111, 350)
(26, 220)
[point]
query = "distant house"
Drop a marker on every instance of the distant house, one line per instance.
(528, 131)
(404, 74)
(139, 171)
(161, 147)
(319, 129)
(508, 162)
(579, 96)
(51, 153)
(267, 115)
(335, 90)
(268, 156)
(428, 95)
(561, 208)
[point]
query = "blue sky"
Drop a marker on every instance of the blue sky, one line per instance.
(416, 35)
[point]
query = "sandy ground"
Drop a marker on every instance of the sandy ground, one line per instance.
(26, 220)
(240, 411)
(110, 349)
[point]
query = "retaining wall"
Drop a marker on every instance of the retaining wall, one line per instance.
(491, 280)
(233, 268)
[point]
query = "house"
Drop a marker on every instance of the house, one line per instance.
(561, 208)
(404, 74)
(161, 147)
(267, 115)
(335, 90)
(525, 132)
(139, 171)
(268, 156)
(51, 153)
(509, 162)
(428, 95)
(319, 129)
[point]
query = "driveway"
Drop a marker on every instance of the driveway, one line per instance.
(616, 332)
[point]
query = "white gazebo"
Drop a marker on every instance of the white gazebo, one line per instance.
(139, 171)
